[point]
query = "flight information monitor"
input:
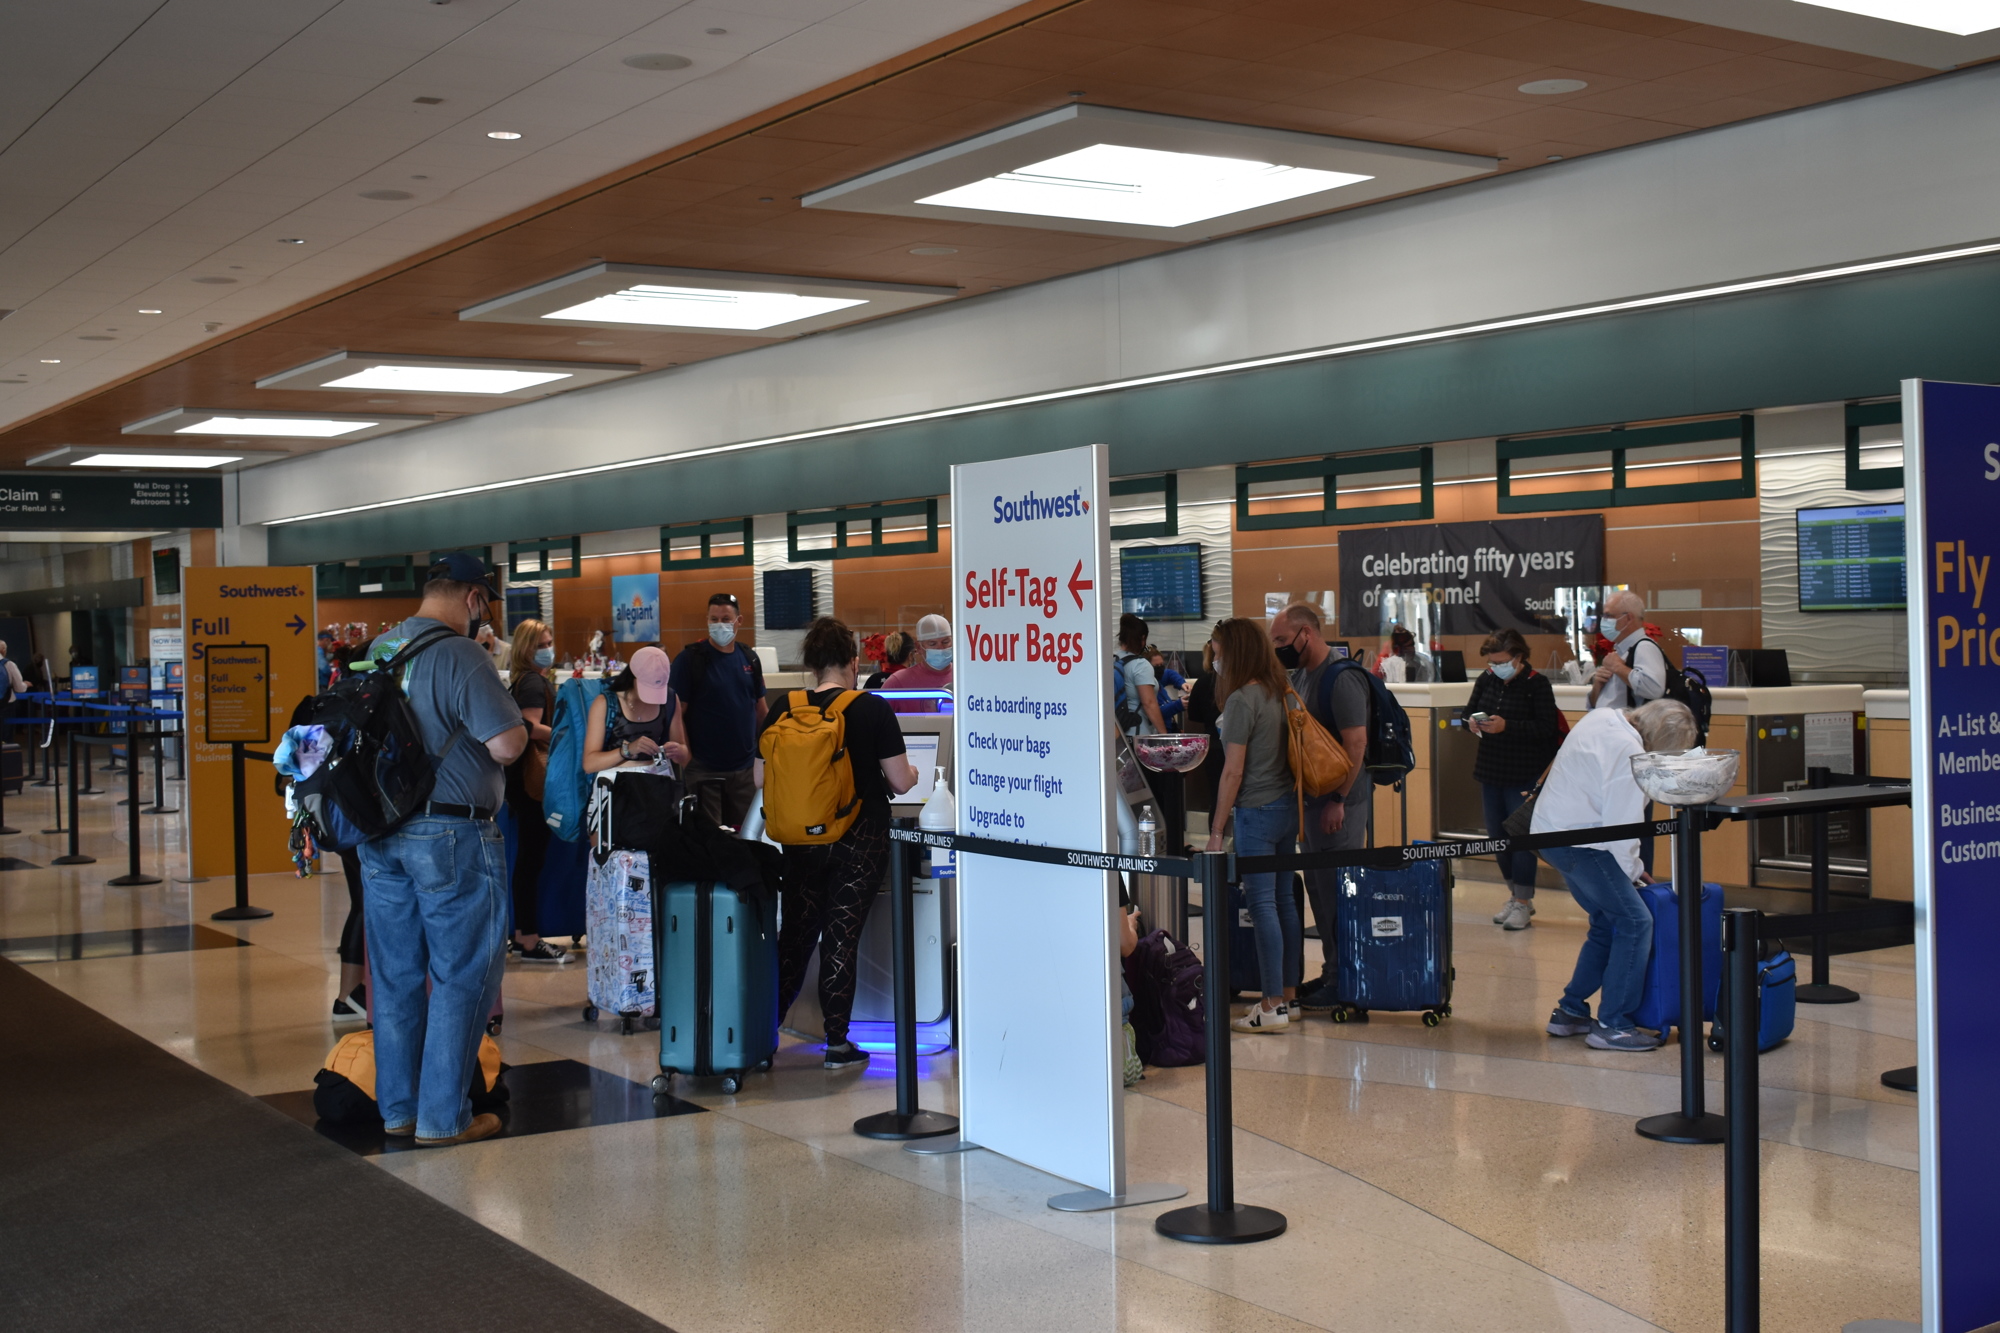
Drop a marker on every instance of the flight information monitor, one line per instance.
(1851, 559)
(1161, 582)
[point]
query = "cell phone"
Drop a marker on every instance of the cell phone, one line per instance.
(1477, 717)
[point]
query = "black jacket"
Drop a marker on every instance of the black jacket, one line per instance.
(1517, 756)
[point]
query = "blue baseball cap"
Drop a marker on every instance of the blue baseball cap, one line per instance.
(461, 567)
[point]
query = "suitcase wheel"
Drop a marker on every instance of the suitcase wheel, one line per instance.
(731, 1082)
(493, 1025)
(590, 1013)
(1432, 1018)
(651, 1023)
(1715, 1037)
(1347, 1013)
(764, 1067)
(663, 1083)
(625, 1024)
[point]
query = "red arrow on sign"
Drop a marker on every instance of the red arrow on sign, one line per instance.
(1077, 584)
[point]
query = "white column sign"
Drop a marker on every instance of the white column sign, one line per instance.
(1041, 1047)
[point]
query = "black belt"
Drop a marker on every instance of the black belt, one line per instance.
(457, 811)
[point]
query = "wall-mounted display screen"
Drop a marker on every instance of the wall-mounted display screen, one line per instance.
(1161, 582)
(1851, 559)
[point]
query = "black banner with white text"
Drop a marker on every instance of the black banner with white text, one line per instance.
(1477, 577)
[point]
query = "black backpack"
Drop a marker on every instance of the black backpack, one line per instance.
(1688, 687)
(1389, 755)
(377, 774)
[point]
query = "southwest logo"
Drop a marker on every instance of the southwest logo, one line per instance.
(1031, 507)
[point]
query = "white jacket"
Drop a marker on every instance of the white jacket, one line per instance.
(1591, 784)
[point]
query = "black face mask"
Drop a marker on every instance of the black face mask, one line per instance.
(1288, 657)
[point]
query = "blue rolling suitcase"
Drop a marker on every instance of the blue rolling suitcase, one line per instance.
(1394, 941)
(1660, 999)
(1245, 977)
(716, 981)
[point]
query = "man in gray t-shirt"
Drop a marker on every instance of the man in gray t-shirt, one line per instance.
(1338, 822)
(435, 898)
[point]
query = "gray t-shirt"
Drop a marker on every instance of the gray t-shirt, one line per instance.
(1348, 703)
(1253, 719)
(1138, 671)
(454, 690)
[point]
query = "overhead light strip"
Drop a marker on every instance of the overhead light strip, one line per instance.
(1182, 376)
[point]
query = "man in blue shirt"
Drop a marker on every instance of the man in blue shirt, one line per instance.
(720, 684)
(437, 900)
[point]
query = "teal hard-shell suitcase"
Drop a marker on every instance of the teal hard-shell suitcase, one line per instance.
(717, 976)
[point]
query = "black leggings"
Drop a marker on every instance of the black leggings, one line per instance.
(531, 848)
(353, 945)
(828, 891)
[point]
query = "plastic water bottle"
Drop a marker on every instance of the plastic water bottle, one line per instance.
(1149, 843)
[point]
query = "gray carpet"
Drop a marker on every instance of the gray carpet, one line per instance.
(137, 1192)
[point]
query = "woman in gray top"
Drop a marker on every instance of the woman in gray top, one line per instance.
(1256, 787)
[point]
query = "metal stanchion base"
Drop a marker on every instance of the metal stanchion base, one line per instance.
(78, 860)
(8, 828)
(1240, 1226)
(240, 914)
(932, 1148)
(90, 791)
(1902, 1080)
(157, 810)
(916, 1125)
(190, 879)
(1677, 1128)
(132, 881)
(1811, 994)
(1097, 1201)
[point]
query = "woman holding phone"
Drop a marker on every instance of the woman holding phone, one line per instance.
(1513, 712)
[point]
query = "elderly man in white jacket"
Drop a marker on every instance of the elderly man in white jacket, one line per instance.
(1591, 785)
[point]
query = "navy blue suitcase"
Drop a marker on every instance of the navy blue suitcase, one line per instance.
(1245, 977)
(1394, 941)
(1660, 999)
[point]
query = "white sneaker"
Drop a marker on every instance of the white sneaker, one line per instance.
(1516, 914)
(1260, 1019)
(1500, 917)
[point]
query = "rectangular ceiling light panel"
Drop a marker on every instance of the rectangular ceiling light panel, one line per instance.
(1113, 172)
(621, 296)
(207, 460)
(273, 425)
(483, 376)
(155, 460)
(1960, 17)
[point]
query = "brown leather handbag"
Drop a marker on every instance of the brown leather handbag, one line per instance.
(1320, 763)
(535, 768)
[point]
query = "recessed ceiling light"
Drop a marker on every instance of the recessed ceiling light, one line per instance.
(1550, 87)
(376, 372)
(718, 32)
(594, 342)
(702, 300)
(428, 101)
(1114, 172)
(933, 249)
(272, 425)
(387, 195)
(1963, 17)
(216, 282)
(155, 460)
(502, 134)
(51, 360)
(1555, 157)
(295, 240)
(657, 60)
(152, 312)
(85, 455)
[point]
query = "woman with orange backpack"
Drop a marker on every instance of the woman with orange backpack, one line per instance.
(831, 758)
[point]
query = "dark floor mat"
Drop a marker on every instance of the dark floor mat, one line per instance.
(138, 1192)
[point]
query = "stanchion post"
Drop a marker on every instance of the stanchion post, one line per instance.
(1742, 1242)
(89, 787)
(5, 827)
(1821, 990)
(133, 877)
(75, 856)
(159, 806)
(53, 764)
(1692, 1123)
(1221, 1221)
(242, 911)
(907, 1121)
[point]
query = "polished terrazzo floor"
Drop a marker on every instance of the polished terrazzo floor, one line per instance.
(1475, 1176)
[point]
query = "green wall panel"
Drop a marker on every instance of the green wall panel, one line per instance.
(1825, 342)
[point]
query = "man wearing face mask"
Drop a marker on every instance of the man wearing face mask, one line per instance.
(929, 668)
(1635, 670)
(436, 903)
(720, 684)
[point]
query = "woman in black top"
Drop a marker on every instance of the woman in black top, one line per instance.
(830, 887)
(1518, 737)
(532, 653)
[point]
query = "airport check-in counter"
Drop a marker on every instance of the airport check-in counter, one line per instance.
(1891, 857)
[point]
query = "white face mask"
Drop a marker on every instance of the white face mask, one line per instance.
(721, 633)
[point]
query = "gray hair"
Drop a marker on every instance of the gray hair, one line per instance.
(1625, 599)
(1665, 725)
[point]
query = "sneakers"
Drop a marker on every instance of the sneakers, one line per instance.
(544, 952)
(484, 1126)
(1620, 1039)
(1563, 1023)
(352, 1007)
(844, 1056)
(1514, 916)
(1262, 1020)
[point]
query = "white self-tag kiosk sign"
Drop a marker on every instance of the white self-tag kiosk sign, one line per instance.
(1041, 1043)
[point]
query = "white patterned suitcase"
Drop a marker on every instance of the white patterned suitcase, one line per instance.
(619, 906)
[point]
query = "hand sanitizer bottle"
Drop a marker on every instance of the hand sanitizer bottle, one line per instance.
(940, 815)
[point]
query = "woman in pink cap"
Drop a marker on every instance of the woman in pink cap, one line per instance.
(635, 718)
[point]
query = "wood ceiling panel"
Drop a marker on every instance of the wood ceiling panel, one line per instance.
(1439, 73)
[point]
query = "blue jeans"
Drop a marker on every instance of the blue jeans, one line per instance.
(436, 908)
(1614, 953)
(1265, 830)
(1517, 868)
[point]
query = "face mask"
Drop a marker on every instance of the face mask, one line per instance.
(721, 633)
(545, 657)
(475, 614)
(1504, 670)
(937, 658)
(1288, 657)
